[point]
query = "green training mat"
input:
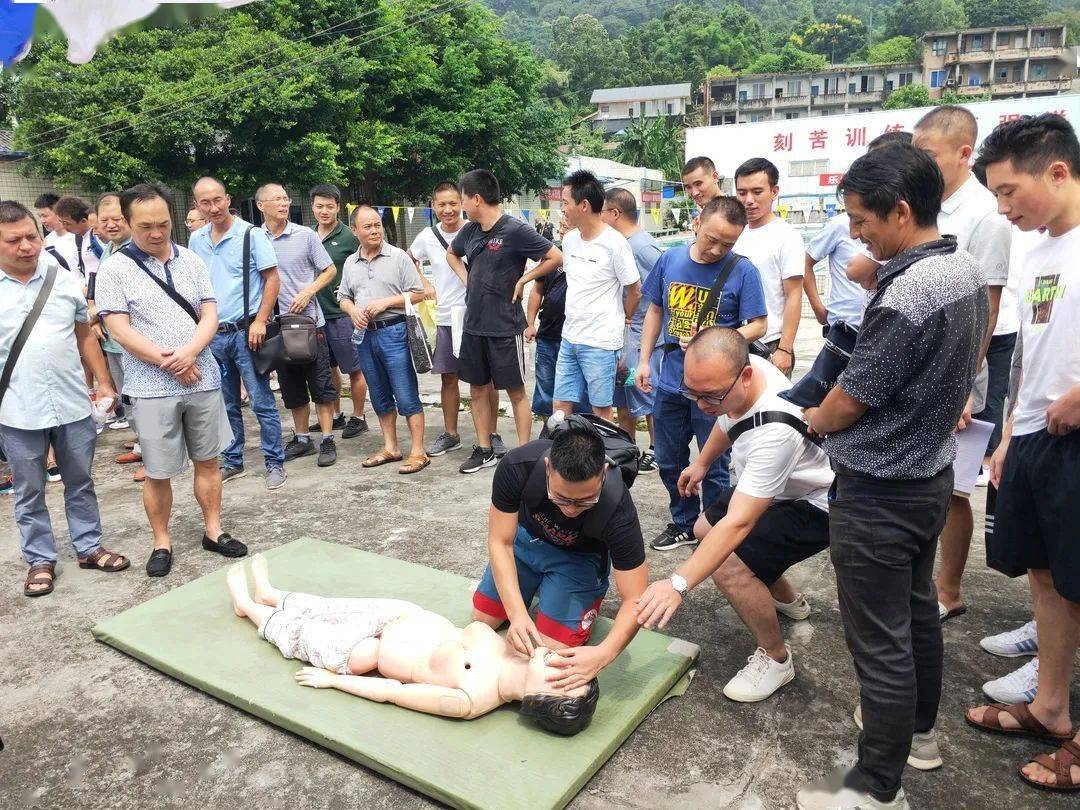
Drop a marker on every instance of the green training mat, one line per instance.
(192, 634)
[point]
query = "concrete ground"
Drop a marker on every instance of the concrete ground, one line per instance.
(86, 726)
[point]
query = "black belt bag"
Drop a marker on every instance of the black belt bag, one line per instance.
(299, 339)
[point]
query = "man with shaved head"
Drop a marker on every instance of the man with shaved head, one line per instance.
(776, 515)
(968, 212)
(229, 246)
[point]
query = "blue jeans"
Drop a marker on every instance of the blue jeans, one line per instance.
(547, 355)
(387, 365)
(232, 353)
(585, 373)
(999, 363)
(26, 451)
(676, 421)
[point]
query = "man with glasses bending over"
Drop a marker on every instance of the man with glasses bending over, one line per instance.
(559, 521)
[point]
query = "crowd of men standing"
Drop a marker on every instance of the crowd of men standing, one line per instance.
(929, 295)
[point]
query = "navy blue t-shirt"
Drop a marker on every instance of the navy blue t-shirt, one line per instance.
(680, 286)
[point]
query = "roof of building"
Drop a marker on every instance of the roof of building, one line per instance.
(826, 70)
(646, 93)
(988, 29)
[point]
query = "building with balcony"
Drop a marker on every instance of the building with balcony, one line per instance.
(618, 107)
(1014, 61)
(834, 90)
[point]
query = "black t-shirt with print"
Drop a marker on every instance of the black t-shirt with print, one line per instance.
(496, 261)
(621, 537)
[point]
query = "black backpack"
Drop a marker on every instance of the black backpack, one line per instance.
(619, 447)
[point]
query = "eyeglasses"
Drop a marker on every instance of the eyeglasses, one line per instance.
(285, 200)
(575, 502)
(711, 399)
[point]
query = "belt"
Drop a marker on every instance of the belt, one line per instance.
(238, 326)
(387, 322)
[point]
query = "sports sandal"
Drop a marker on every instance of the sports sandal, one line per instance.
(40, 574)
(414, 464)
(384, 456)
(1029, 723)
(1061, 764)
(101, 560)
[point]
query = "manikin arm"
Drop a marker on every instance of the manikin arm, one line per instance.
(421, 697)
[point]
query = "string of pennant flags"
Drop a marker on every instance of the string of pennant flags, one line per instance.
(530, 215)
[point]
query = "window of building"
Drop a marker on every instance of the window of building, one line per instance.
(940, 46)
(851, 87)
(794, 88)
(791, 115)
(716, 121)
(1042, 39)
(937, 78)
(977, 42)
(866, 109)
(815, 91)
(974, 79)
(1003, 74)
(742, 95)
(808, 168)
(758, 90)
(1038, 71)
(906, 79)
(670, 108)
(605, 109)
(1018, 43)
(757, 117)
(630, 112)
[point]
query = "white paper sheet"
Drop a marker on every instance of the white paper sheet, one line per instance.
(970, 450)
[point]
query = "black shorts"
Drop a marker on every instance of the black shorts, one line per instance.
(309, 382)
(1037, 510)
(788, 533)
(496, 360)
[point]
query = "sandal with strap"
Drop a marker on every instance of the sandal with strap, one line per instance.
(1029, 723)
(414, 464)
(40, 574)
(1061, 764)
(384, 456)
(102, 560)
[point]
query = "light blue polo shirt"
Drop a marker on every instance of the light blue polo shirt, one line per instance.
(226, 263)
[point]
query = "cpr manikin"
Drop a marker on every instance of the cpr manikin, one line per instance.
(426, 663)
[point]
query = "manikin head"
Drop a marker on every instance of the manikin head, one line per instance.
(757, 182)
(720, 224)
(948, 133)
(1033, 167)
(479, 192)
(564, 713)
(326, 204)
(701, 180)
(446, 203)
(110, 219)
(892, 194)
(273, 202)
(367, 227)
(575, 470)
(717, 374)
(620, 211)
(213, 200)
(20, 239)
(582, 199)
(46, 216)
(146, 208)
(74, 214)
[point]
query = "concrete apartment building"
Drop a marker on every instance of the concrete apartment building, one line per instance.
(835, 90)
(618, 107)
(1015, 61)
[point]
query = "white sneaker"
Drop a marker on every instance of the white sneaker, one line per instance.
(119, 424)
(924, 755)
(1016, 687)
(1013, 643)
(760, 677)
(983, 478)
(797, 610)
(831, 793)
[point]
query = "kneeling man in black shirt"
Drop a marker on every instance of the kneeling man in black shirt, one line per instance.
(559, 522)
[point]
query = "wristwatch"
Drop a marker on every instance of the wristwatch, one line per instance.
(679, 584)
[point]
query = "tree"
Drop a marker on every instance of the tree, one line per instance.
(430, 94)
(8, 94)
(892, 51)
(910, 95)
(591, 57)
(913, 18)
(989, 13)
(790, 58)
(653, 143)
(836, 40)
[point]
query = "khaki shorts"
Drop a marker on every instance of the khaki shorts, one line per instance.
(173, 429)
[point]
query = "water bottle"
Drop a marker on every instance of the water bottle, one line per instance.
(358, 336)
(100, 410)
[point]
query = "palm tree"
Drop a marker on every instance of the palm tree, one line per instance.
(656, 144)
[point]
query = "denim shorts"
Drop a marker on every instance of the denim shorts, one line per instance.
(387, 365)
(633, 398)
(585, 371)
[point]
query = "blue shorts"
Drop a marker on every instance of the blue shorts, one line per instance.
(571, 588)
(387, 365)
(633, 398)
(585, 371)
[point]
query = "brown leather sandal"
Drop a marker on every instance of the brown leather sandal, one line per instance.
(101, 560)
(1061, 764)
(40, 574)
(384, 456)
(1029, 723)
(414, 464)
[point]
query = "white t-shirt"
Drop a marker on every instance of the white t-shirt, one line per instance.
(1049, 293)
(596, 272)
(775, 461)
(449, 291)
(776, 250)
(970, 214)
(1008, 321)
(847, 299)
(65, 246)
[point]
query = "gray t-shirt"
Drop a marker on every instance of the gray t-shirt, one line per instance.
(301, 258)
(389, 273)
